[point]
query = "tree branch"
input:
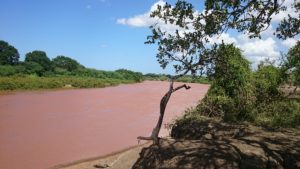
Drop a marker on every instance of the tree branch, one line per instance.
(163, 104)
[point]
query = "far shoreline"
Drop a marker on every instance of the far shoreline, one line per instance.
(37, 90)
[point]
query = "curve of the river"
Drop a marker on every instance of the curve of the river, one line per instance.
(42, 129)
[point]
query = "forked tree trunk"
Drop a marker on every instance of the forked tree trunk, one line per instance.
(163, 104)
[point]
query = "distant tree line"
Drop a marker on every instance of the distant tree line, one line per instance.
(39, 64)
(184, 78)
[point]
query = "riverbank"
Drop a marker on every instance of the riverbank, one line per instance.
(214, 144)
(61, 82)
(57, 127)
(123, 159)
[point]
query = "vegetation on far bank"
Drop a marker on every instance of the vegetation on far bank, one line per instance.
(185, 78)
(37, 71)
(34, 82)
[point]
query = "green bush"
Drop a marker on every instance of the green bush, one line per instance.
(231, 93)
(278, 113)
(191, 79)
(33, 68)
(216, 105)
(292, 63)
(156, 77)
(66, 63)
(7, 70)
(267, 80)
(35, 82)
(237, 94)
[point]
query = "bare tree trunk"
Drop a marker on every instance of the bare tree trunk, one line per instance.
(163, 104)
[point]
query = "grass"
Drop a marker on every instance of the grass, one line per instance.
(35, 82)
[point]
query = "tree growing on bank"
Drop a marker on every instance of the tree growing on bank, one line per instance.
(38, 61)
(66, 63)
(189, 49)
(9, 55)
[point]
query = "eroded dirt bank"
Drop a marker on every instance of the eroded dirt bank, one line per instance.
(43, 129)
(210, 145)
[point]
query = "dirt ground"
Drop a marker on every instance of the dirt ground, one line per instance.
(210, 145)
(121, 160)
(216, 145)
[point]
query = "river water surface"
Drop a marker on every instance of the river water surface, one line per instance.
(45, 128)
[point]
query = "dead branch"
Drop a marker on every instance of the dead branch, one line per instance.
(163, 104)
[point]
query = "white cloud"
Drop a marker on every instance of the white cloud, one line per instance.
(289, 11)
(255, 50)
(269, 31)
(137, 21)
(289, 42)
(225, 37)
(143, 20)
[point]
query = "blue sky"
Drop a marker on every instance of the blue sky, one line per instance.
(85, 30)
(101, 34)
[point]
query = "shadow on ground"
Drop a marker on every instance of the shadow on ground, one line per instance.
(222, 145)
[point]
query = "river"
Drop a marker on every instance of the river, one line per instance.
(41, 129)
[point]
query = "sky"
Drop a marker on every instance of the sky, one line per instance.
(108, 34)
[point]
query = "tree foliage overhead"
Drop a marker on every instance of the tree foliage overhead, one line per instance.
(9, 55)
(290, 26)
(189, 48)
(236, 93)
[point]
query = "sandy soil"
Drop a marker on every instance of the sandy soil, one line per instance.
(119, 160)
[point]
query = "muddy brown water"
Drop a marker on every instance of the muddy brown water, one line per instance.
(46, 128)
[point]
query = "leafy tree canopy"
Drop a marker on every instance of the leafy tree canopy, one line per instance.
(66, 63)
(293, 62)
(33, 68)
(189, 48)
(9, 55)
(39, 57)
(231, 70)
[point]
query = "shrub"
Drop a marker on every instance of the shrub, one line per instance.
(267, 80)
(7, 70)
(237, 94)
(279, 113)
(231, 93)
